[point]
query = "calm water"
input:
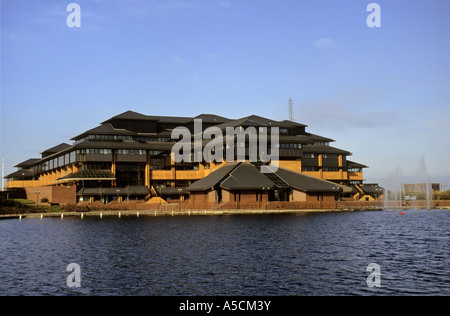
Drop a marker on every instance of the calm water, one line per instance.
(314, 254)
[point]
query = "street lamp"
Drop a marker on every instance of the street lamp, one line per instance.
(37, 196)
(117, 195)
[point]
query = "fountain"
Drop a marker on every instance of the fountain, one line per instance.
(424, 174)
(393, 190)
(395, 193)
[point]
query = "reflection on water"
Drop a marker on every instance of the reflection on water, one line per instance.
(314, 254)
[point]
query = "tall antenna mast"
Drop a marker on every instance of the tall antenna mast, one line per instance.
(3, 173)
(291, 111)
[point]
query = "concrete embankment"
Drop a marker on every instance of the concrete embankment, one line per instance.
(130, 213)
(156, 213)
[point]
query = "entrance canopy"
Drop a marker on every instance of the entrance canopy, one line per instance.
(99, 175)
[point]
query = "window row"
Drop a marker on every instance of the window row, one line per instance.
(321, 144)
(326, 169)
(94, 151)
(60, 161)
(126, 137)
(131, 152)
(325, 156)
(288, 146)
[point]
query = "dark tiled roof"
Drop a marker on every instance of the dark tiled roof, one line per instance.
(247, 177)
(213, 178)
(306, 183)
(27, 163)
(20, 174)
(293, 124)
(211, 118)
(371, 188)
(105, 129)
(129, 115)
(324, 150)
(351, 164)
(318, 138)
(89, 175)
(56, 149)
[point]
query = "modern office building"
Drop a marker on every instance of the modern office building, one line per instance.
(129, 157)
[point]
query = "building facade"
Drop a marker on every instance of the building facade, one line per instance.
(129, 157)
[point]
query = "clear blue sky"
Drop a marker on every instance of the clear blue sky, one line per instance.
(381, 93)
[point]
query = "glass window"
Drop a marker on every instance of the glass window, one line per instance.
(310, 169)
(61, 161)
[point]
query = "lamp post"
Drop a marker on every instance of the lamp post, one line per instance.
(37, 196)
(117, 195)
(179, 200)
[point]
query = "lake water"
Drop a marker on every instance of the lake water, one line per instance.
(311, 254)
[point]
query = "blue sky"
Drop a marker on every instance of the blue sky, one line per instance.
(381, 93)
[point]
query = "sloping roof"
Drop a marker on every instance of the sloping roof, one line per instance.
(306, 183)
(247, 177)
(20, 174)
(88, 175)
(244, 122)
(324, 150)
(371, 188)
(213, 178)
(212, 118)
(318, 138)
(352, 164)
(104, 129)
(129, 115)
(56, 149)
(292, 123)
(27, 163)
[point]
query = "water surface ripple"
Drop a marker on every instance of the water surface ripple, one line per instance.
(312, 254)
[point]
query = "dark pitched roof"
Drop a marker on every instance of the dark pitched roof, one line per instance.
(27, 163)
(128, 115)
(212, 118)
(88, 175)
(306, 183)
(104, 129)
(371, 188)
(318, 138)
(213, 178)
(352, 164)
(244, 122)
(247, 177)
(293, 124)
(20, 174)
(325, 150)
(55, 149)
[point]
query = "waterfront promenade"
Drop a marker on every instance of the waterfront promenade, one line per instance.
(178, 212)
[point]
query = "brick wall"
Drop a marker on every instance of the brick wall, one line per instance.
(54, 194)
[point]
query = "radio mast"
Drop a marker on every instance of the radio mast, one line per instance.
(3, 174)
(291, 111)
